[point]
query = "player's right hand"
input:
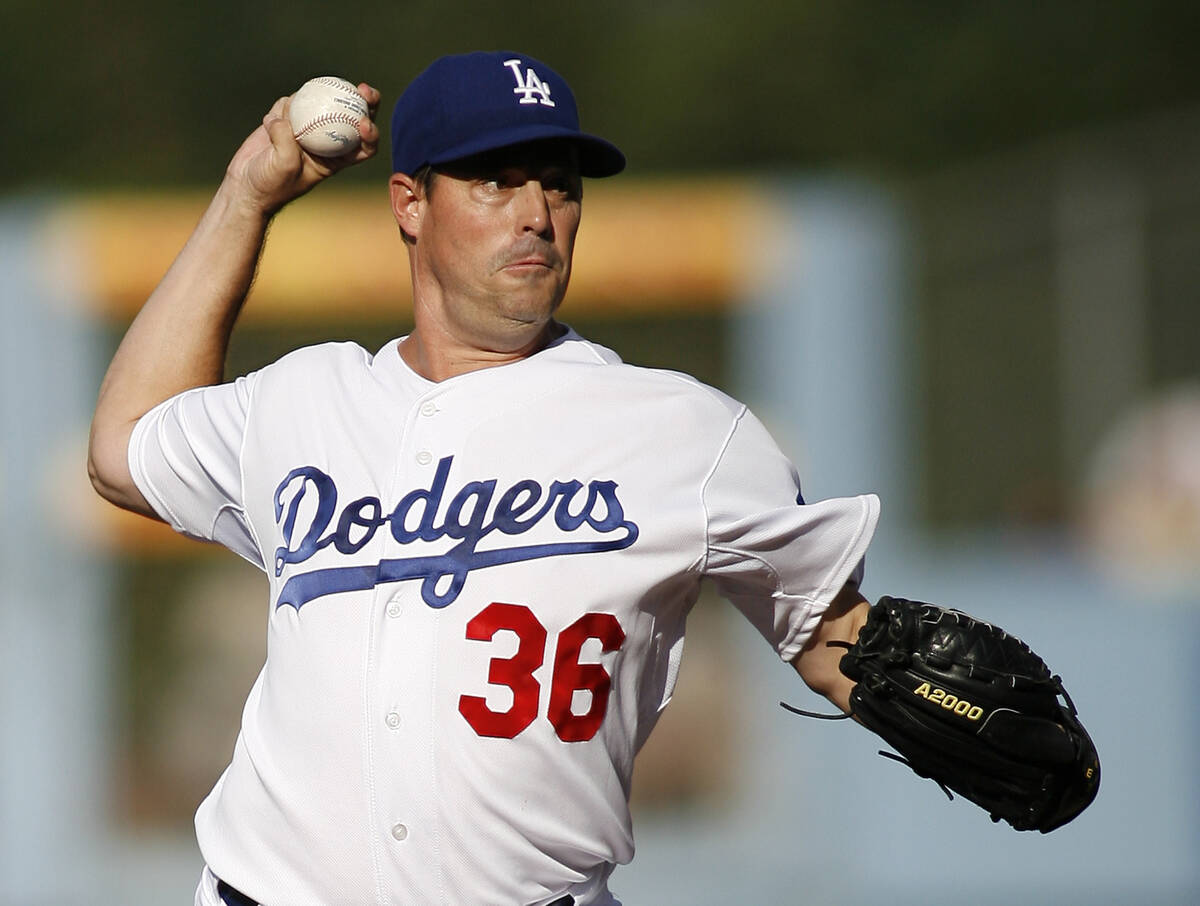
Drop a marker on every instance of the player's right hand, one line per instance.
(270, 168)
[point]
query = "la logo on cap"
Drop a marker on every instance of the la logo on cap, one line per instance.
(529, 85)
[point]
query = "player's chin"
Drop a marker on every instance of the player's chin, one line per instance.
(531, 308)
(534, 287)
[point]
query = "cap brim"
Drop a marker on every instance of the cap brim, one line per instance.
(597, 157)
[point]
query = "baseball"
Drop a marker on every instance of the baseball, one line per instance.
(324, 114)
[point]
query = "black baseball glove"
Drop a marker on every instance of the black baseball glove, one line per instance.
(974, 709)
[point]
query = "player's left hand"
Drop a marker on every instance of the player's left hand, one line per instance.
(973, 708)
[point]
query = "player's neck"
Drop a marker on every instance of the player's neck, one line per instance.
(438, 356)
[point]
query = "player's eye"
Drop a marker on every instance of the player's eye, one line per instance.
(506, 179)
(560, 183)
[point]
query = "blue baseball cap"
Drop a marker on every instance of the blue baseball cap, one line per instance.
(470, 103)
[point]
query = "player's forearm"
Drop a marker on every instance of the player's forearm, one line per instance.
(818, 663)
(180, 337)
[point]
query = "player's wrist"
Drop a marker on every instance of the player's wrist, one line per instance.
(239, 201)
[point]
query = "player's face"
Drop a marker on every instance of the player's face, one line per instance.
(496, 236)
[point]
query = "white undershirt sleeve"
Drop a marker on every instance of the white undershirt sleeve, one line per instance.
(185, 456)
(778, 560)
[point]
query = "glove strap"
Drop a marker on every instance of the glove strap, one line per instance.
(815, 714)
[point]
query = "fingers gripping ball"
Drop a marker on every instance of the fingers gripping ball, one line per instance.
(973, 708)
(324, 115)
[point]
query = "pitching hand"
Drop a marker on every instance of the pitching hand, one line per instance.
(270, 168)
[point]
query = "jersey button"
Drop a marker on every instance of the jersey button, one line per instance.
(393, 608)
(424, 457)
(399, 831)
(429, 408)
(392, 720)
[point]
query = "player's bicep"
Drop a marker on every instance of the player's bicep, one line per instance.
(184, 456)
(777, 559)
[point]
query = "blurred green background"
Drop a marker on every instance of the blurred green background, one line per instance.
(144, 94)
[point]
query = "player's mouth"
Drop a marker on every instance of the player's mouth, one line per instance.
(528, 265)
(530, 260)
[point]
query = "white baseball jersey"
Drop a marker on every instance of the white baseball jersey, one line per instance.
(478, 591)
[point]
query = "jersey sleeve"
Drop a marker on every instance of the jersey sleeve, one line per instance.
(779, 560)
(185, 457)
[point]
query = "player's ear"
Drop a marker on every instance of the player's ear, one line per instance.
(407, 205)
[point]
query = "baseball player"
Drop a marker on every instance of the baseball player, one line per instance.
(481, 541)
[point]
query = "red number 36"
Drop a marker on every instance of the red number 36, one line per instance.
(516, 672)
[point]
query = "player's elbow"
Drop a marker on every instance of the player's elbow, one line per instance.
(98, 474)
(102, 471)
(108, 468)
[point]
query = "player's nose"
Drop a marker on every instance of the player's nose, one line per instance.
(533, 209)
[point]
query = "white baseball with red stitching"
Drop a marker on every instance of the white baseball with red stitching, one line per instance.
(324, 115)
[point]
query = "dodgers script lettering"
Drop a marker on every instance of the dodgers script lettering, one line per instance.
(472, 514)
